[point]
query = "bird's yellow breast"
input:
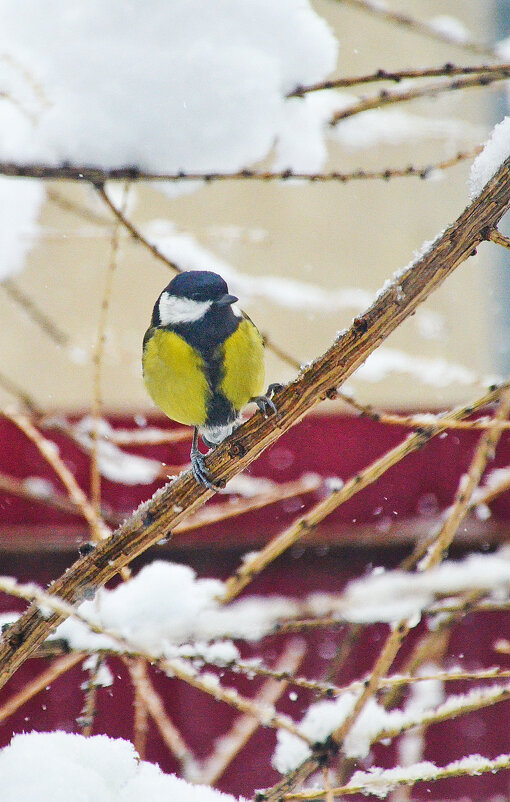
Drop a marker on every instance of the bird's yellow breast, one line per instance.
(174, 377)
(243, 365)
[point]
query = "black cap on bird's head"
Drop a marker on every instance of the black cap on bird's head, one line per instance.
(200, 285)
(190, 296)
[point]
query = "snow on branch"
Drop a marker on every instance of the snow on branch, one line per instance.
(380, 782)
(374, 724)
(177, 667)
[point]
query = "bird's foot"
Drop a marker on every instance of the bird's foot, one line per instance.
(265, 403)
(200, 472)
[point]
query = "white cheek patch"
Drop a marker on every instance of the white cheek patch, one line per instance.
(174, 310)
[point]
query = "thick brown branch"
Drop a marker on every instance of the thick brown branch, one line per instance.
(168, 507)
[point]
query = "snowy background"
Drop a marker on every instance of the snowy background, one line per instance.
(209, 86)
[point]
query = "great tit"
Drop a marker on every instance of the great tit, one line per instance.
(203, 360)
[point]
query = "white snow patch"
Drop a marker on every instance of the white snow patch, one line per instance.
(166, 605)
(396, 595)
(183, 249)
(20, 200)
(301, 145)
(65, 766)
(395, 127)
(435, 371)
(203, 83)
(496, 150)
(38, 486)
(502, 49)
(319, 721)
(430, 325)
(451, 27)
(380, 782)
(113, 463)
(249, 486)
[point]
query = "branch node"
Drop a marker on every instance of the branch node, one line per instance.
(237, 450)
(325, 750)
(360, 325)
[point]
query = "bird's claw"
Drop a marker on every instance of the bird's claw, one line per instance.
(200, 472)
(265, 403)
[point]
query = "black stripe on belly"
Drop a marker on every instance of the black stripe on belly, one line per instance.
(207, 337)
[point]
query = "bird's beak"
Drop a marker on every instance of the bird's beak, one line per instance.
(226, 300)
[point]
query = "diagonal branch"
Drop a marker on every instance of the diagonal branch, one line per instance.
(156, 518)
(378, 9)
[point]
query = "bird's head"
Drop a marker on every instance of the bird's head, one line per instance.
(189, 296)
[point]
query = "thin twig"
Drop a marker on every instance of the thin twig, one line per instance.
(446, 70)
(88, 712)
(148, 436)
(72, 206)
(500, 239)
(34, 312)
(137, 668)
(232, 509)
(97, 360)
(24, 398)
(49, 451)
(31, 490)
(378, 9)
(329, 794)
(230, 744)
(154, 705)
(98, 176)
(491, 489)
(467, 485)
(120, 215)
(39, 683)
(386, 98)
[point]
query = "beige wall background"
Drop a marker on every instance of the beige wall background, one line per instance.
(331, 234)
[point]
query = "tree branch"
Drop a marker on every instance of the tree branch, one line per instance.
(156, 518)
(447, 70)
(385, 98)
(99, 175)
(422, 27)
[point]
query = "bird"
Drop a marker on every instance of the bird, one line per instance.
(203, 361)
